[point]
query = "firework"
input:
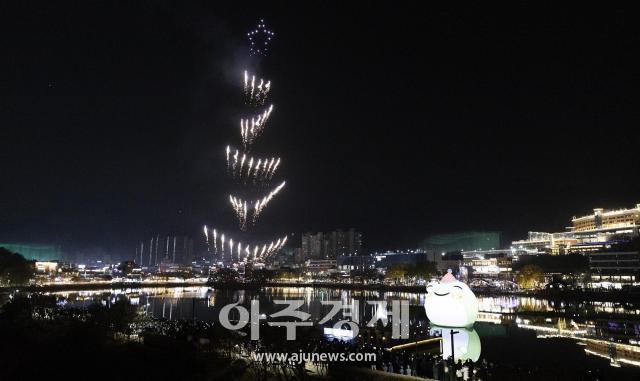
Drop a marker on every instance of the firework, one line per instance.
(244, 252)
(215, 245)
(255, 94)
(261, 204)
(235, 160)
(248, 169)
(274, 248)
(251, 128)
(273, 170)
(244, 157)
(240, 208)
(258, 170)
(270, 166)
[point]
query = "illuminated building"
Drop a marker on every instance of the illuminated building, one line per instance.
(589, 233)
(545, 243)
(601, 220)
(464, 241)
(355, 262)
(613, 269)
(490, 265)
(320, 265)
(46, 267)
(390, 258)
(396, 258)
(35, 251)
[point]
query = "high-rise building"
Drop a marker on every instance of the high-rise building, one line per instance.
(330, 245)
(313, 245)
(172, 249)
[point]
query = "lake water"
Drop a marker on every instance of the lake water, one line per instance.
(520, 333)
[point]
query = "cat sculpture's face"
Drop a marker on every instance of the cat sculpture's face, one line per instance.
(451, 303)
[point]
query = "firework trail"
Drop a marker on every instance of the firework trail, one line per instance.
(244, 157)
(242, 211)
(222, 245)
(250, 129)
(206, 235)
(240, 207)
(215, 245)
(248, 169)
(270, 166)
(244, 252)
(255, 94)
(235, 160)
(273, 170)
(258, 170)
(261, 204)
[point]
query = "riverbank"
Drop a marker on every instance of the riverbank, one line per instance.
(560, 295)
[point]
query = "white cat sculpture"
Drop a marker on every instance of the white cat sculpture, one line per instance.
(450, 303)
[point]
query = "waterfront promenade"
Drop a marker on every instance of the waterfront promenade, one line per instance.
(582, 295)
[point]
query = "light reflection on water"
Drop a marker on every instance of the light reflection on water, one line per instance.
(506, 304)
(505, 323)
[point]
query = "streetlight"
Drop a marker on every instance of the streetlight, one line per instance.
(453, 358)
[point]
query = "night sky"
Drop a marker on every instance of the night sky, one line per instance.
(399, 122)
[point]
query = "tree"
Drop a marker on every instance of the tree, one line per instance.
(422, 270)
(127, 267)
(397, 272)
(260, 276)
(225, 275)
(564, 264)
(288, 274)
(365, 274)
(530, 276)
(116, 317)
(14, 269)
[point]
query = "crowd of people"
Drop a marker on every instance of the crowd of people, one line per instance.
(434, 366)
(405, 362)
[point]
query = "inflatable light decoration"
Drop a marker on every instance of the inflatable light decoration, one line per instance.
(451, 303)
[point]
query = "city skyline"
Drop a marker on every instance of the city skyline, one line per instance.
(319, 190)
(476, 136)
